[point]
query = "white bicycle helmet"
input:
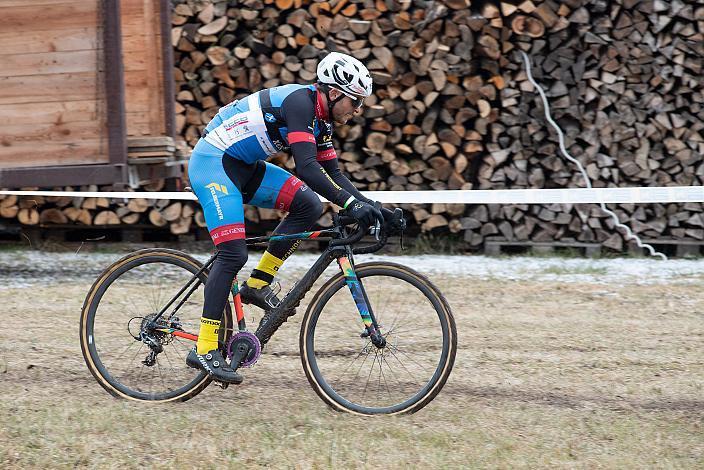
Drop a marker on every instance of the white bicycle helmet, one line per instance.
(345, 73)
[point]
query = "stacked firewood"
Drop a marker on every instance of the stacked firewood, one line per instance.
(453, 109)
(624, 82)
(179, 217)
(421, 129)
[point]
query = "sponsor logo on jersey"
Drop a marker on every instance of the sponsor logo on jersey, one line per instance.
(214, 189)
(237, 121)
(325, 173)
(266, 145)
(269, 117)
(230, 231)
(218, 187)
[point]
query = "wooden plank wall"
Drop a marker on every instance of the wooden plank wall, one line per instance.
(52, 108)
(143, 62)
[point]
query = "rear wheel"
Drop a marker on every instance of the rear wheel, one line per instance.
(130, 355)
(351, 374)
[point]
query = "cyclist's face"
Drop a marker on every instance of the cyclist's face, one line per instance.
(346, 108)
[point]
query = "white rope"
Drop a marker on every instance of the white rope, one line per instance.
(629, 234)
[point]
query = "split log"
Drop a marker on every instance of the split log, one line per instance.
(156, 219)
(106, 218)
(28, 216)
(52, 216)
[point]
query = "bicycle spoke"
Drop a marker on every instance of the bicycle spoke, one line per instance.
(129, 364)
(139, 376)
(386, 361)
(360, 367)
(187, 346)
(128, 347)
(355, 359)
(396, 331)
(371, 369)
(394, 348)
(137, 311)
(381, 375)
(166, 356)
(161, 375)
(151, 380)
(413, 377)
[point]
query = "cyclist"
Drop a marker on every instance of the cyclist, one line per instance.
(227, 169)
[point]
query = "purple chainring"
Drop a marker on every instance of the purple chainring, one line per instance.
(254, 353)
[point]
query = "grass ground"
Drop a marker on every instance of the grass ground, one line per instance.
(548, 374)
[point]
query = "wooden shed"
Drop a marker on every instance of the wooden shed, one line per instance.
(80, 82)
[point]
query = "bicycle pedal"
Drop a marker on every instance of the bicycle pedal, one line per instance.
(222, 385)
(276, 288)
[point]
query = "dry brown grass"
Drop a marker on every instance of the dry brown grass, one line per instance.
(547, 375)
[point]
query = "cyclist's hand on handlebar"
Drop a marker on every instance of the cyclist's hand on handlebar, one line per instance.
(364, 213)
(394, 222)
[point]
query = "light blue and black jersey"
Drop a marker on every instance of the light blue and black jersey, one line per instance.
(227, 167)
(270, 121)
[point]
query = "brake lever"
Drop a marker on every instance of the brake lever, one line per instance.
(376, 230)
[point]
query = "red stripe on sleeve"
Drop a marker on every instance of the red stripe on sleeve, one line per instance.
(328, 154)
(295, 137)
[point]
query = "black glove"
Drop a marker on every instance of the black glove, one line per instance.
(394, 223)
(364, 213)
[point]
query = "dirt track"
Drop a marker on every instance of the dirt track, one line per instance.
(548, 374)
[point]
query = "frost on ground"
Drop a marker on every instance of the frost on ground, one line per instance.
(561, 363)
(27, 268)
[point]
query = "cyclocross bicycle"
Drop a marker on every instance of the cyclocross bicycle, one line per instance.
(387, 348)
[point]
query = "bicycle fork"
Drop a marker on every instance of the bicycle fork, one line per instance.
(361, 300)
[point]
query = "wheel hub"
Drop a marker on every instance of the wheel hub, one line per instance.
(148, 328)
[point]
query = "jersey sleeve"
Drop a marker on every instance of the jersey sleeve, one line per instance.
(332, 168)
(325, 149)
(297, 111)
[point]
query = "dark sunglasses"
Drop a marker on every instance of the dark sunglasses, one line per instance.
(356, 102)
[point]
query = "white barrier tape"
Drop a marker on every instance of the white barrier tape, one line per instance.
(171, 195)
(635, 195)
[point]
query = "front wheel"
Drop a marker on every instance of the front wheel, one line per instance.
(351, 374)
